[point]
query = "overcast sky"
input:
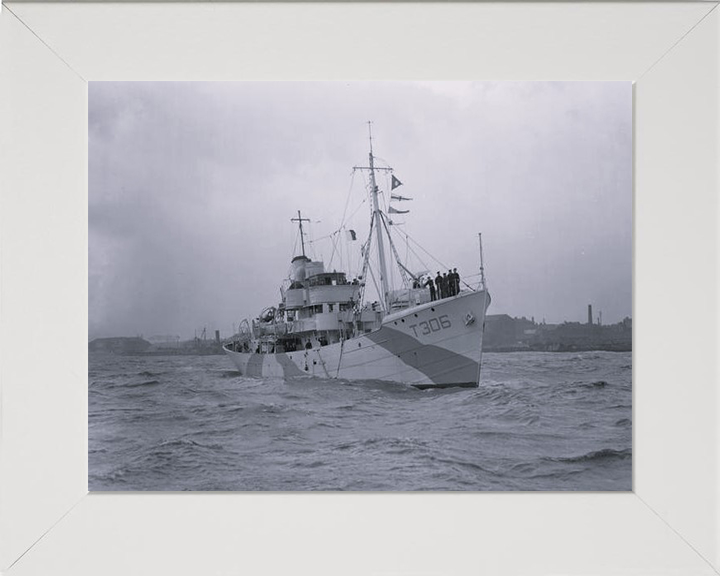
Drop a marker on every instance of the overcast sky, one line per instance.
(192, 187)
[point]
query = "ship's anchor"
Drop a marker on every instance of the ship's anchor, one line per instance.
(469, 319)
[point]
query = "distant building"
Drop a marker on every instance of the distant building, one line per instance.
(163, 339)
(506, 334)
(499, 331)
(119, 345)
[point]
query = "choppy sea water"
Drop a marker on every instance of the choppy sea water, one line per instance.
(538, 421)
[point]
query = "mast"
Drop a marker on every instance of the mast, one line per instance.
(377, 217)
(300, 220)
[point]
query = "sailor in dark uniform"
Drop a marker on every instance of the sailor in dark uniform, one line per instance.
(431, 285)
(439, 286)
(456, 278)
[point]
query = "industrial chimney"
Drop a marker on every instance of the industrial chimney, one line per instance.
(590, 321)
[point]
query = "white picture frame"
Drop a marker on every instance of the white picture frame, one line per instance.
(669, 524)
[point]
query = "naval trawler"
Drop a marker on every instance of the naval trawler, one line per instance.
(324, 327)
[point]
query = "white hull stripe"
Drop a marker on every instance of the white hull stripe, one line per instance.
(441, 366)
(254, 365)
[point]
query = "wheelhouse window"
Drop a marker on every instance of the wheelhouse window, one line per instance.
(328, 279)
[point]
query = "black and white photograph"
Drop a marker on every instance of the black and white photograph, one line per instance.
(360, 286)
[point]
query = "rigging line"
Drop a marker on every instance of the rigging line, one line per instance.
(349, 262)
(335, 236)
(294, 250)
(387, 164)
(443, 266)
(426, 252)
(407, 248)
(342, 221)
(422, 262)
(386, 199)
(347, 200)
(366, 261)
(365, 181)
(323, 237)
(368, 192)
(358, 208)
(311, 240)
(403, 272)
(338, 244)
(404, 278)
(372, 275)
(341, 228)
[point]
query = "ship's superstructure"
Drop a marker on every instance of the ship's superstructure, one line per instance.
(324, 327)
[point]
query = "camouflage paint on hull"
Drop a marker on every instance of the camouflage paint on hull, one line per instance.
(438, 344)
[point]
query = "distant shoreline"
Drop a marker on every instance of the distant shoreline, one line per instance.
(503, 350)
(499, 350)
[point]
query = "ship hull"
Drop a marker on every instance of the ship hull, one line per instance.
(435, 345)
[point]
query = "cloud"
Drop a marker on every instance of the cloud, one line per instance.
(192, 187)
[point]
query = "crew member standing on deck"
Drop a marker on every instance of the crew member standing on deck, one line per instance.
(451, 283)
(456, 278)
(431, 285)
(439, 286)
(446, 285)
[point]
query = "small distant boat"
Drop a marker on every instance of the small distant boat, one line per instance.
(323, 326)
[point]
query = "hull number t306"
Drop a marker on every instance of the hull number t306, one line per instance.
(433, 325)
